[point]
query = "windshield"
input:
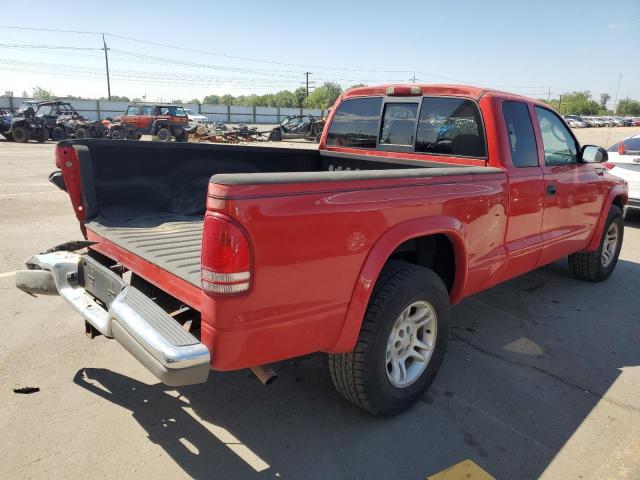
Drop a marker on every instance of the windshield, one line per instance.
(173, 111)
(189, 112)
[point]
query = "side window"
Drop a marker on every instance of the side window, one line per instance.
(147, 110)
(133, 110)
(522, 140)
(355, 123)
(559, 146)
(450, 126)
(398, 124)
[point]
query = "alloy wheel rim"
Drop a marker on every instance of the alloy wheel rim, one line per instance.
(610, 245)
(410, 344)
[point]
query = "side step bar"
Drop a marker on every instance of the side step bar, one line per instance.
(120, 311)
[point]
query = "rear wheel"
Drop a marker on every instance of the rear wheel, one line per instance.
(20, 134)
(183, 137)
(162, 135)
(275, 136)
(401, 343)
(81, 133)
(57, 133)
(41, 135)
(596, 266)
(116, 133)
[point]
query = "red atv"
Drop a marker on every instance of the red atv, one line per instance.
(161, 121)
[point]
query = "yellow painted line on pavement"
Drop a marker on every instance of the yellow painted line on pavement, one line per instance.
(465, 470)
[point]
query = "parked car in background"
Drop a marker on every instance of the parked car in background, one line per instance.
(163, 122)
(624, 162)
(195, 117)
(573, 123)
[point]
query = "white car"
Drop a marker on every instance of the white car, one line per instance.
(195, 117)
(576, 123)
(624, 162)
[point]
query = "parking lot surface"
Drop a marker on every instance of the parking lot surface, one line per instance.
(542, 379)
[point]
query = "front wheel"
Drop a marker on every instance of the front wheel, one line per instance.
(401, 343)
(162, 135)
(20, 134)
(596, 266)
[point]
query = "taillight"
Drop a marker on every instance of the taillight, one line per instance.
(226, 257)
(621, 149)
(608, 165)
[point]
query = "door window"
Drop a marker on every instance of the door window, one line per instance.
(522, 140)
(560, 147)
(147, 110)
(355, 123)
(398, 124)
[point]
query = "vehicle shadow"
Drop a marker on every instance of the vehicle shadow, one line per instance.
(527, 363)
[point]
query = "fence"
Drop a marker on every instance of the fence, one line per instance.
(99, 109)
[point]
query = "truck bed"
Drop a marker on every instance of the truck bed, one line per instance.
(149, 198)
(172, 242)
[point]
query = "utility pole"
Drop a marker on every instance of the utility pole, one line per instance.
(106, 62)
(306, 98)
(548, 94)
(615, 106)
(414, 78)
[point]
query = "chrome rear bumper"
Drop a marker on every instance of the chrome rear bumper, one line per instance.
(146, 331)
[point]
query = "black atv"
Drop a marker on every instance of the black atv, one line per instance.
(26, 126)
(5, 124)
(298, 126)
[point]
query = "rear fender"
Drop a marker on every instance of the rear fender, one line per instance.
(378, 256)
(619, 190)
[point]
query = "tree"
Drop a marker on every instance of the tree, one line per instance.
(194, 100)
(177, 102)
(324, 96)
(227, 99)
(628, 107)
(211, 99)
(579, 103)
(301, 95)
(42, 93)
(604, 98)
(118, 98)
(25, 94)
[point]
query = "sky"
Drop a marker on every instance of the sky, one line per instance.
(200, 48)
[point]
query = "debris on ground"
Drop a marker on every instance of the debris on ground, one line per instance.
(26, 390)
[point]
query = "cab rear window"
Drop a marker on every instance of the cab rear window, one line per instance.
(355, 123)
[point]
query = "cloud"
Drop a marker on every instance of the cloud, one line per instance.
(614, 26)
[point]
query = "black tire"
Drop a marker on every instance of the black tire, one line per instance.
(361, 376)
(20, 134)
(275, 136)
(182, 137)
(57, 133)
(162, 135)
(81, 133)
(117, 133)
(590, 265)
(41, 135)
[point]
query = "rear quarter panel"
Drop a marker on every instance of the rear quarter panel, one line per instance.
(311, 241)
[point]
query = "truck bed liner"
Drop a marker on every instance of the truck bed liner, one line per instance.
(172, 242)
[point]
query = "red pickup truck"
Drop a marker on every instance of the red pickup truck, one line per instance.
(228, 257)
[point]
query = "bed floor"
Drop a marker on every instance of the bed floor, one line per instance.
(171, 242)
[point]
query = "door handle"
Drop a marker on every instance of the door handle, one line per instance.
(552, 190)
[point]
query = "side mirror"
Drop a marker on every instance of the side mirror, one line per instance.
(593, 154)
